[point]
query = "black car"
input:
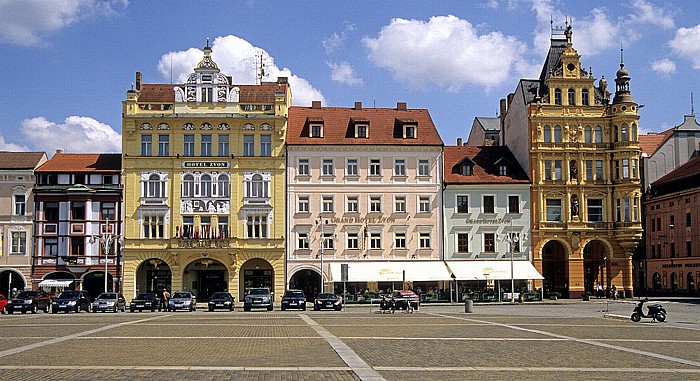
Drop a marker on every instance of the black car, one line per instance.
(294, 299)
(328, 301)
(147, 302)
(32, 301)
(258, 298)
(109, 301)
(221, 300)
(71, 300)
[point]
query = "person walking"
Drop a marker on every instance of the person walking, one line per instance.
(164, 299)
(599, 290)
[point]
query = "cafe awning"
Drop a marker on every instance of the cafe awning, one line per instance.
(490, 270)
(55, 283)
(392, 271)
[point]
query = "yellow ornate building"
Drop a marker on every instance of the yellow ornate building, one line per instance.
(582, 155)
(204, 184)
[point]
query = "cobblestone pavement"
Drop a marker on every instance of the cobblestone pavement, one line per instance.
(547, 341)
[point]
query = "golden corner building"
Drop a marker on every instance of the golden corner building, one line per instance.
(582, 154)
(204, 184)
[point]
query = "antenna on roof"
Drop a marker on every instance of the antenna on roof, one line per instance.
(692, 105)
(622, 57)
(207, 42)
(259, 67)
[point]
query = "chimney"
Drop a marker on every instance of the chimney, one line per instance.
(358, 105)
(502, 114)
(401, 106)
(230, 79)
(459, 142)
(316, 104)
(138, 81)
(282, 80)
(59, 151)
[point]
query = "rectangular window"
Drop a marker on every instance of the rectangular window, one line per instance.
(303, 167)
(248, 145)
(424, 240)
(107, 179)
(589, 170)
(265, 145)
(77, 245)
(187, 227)
(513, 204)
(627, 209)
(489, 204)
(595, 210)
(327, 167)
(410, 131)
(351, 169)
(688, 248)
(633, 173)
(257, 227)
(554, 210)
(688, 220)
(328, 241)
(557, 170)
(375, 167)
(489, 242)
(222, 228)
(51, 212)
(303, 241)
(316, 131)
(77, 210)
(108, 211)
(462, 204)
(673, 249)
(400, 240)
(375, 241)
(153, 227)
(625, 168)
(205, 145)
(462, 243)
(353, 204)
(547, 169)
(223, 145)
(671, 221)
(424, 204)
(399, 167)
(423, 167)
(599, 169)
(51, 247)
(205, 226)
(400, 204)
(303, 204)
(146, 144)
(353, 241)
(327, 204)
(188, 145)
(163, 145)
(19, 243)
(20, 205)
(361, 131)
(375, 204)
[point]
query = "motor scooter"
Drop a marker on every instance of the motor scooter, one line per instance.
(654, 311)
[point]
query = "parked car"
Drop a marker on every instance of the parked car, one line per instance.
(71, 300)
(109, 301)
(183, 300)
(404, 298)
(29, 301)
(221, 300)
(293, 299)
(328, 301)
(258, 298)
(147, 301)
(3, 303)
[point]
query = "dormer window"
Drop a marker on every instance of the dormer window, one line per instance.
(361, 131)
(502, 170)
(316, 130)
(466, 170)
(409, 131)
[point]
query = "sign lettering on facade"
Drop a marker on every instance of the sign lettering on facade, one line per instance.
(205, 164)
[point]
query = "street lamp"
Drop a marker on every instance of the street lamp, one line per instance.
(512, 239)
(107, 240)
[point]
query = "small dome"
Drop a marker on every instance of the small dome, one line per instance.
(622, 72)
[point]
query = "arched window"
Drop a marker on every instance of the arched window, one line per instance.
(588, 134)
(154, 186)
(572, 97)
(584, 97)
(633, 133)
(624, 131)
(223, 189)
(547, 134)
(557, 134)
(188, 186)
(557, 97)
(206, 186)
(256, 187)
(598, 134)
(616, 138)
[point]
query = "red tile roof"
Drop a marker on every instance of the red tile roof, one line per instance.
(681, 174)
(650, 142)
(20, 160)
(384, 126)
(485, 169)
(162, 93)
(83, 162)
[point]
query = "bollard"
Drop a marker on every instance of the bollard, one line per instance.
(468, 306)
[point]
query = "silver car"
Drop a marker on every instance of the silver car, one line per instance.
(109, 301)
(183, 300)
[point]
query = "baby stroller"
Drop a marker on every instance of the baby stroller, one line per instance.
(387, 306)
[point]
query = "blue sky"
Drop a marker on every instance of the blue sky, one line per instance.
(68, 64)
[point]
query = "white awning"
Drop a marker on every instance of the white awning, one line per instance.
(484, 270)
(392, 271)
(55, 283)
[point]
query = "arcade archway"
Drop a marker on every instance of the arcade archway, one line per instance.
(204, 277)
(595, 266)
(256, 272)
(11, 279)
(554, 268)
(153, 275)
(307, 280)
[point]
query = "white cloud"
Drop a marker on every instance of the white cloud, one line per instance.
(446, 51)
(686, 43)
(343, 73)
(336, 40)
(12, 147)
(647, 13)
(236, 57)
(78, 134)
(664, 66)
(24, 22)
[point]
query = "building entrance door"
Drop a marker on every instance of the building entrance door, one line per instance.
(211, 281)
